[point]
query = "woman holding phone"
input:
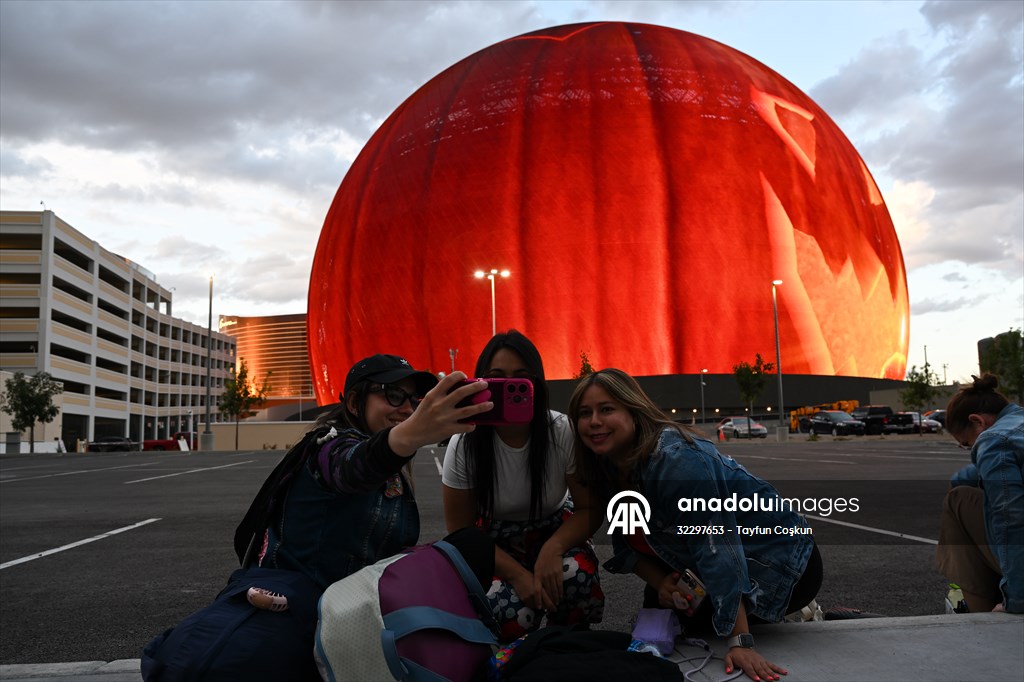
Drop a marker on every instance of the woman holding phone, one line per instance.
(518, 483)
(343, 498)
(624, 442)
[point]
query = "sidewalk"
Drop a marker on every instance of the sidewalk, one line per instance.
(976, 646)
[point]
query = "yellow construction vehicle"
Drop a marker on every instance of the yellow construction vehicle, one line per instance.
(795, 425)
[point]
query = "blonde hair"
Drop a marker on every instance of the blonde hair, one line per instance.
(648, 419)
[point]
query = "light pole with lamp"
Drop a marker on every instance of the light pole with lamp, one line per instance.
(778, 358)
(703, 417)
(452, 352)
(206, 438)
(480, 274)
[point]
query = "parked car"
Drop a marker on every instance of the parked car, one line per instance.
(741, 427)
(172, 442)
(881, 419)
(836, 422)
(901, 422)
(923, 423)
(936, 415)
(112, 444)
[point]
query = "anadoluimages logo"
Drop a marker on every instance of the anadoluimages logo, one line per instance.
(628, 516)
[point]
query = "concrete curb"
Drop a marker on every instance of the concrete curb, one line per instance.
(974, 646)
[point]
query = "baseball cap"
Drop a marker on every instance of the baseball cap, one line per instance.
(387, 369)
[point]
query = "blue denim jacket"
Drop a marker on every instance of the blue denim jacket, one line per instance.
(997, 465)
(346, 508)
(761, 569)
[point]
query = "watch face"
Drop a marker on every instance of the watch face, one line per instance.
(746, 640)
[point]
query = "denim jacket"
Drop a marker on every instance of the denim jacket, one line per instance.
(761, 569)
(997, 465)
(347, 507)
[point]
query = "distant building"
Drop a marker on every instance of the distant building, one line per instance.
(275, 344)
(102, 325)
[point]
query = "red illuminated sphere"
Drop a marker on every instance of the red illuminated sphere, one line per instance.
(643, 185)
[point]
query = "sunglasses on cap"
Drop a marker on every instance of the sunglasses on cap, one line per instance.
(395, 396)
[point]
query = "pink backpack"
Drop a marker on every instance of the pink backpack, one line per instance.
(421, 615)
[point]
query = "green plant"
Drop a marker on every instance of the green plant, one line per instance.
(29, 401)
(751, 379)
(920, 389)
(241, 395)
(1005, 358)
(585, 366)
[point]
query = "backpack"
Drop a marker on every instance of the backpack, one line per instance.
(558, 653)
(231, 639)
(420, 615)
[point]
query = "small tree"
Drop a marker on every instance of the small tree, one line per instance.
(585, 366)
(29, 401)
(241, 395)
(1005, 358)
(751, 379)
(920, 389)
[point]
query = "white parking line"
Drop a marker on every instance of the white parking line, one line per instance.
(72, 473)
(438, 465)
(794, 459)
(927, 541)
(48, 552)
(190, 471)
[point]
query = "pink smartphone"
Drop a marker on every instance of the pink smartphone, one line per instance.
(689, 583)
(513, 401)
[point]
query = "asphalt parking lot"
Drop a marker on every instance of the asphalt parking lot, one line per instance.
(101, 551)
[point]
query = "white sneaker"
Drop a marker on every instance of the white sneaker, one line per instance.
(808, 613)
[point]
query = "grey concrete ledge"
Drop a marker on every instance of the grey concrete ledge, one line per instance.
(113, 671)
(973, 646)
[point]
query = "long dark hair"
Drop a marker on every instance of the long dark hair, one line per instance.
(343, 418)
(981, 397)
(479, 444)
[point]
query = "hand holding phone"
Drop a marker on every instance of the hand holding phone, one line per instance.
(689, 593)
(512, 398)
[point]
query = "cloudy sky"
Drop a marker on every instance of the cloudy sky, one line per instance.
(210, 137)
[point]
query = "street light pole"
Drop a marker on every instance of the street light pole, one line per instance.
(494, 273)
(452, 352)
(778, 355)
(702, 416)
(207, 438)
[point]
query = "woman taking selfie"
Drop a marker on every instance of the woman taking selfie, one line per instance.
(344, 498)
(517, 482)
(625, 443)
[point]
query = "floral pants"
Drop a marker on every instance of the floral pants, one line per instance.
(583, 599)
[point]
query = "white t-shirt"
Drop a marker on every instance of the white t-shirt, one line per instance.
(512, 484)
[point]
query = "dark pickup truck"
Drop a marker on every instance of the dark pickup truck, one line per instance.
(882, 419)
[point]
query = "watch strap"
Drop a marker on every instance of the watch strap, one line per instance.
(745, 640)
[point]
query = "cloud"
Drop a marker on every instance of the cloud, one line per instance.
(15, 165)
(930, 305)
(942, 125)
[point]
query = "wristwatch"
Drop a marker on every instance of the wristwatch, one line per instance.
(744, 639)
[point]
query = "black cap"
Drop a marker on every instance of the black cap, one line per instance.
(388, 369)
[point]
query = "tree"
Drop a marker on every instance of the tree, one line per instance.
(920, 389)
(585, 366)
(241, 395)
(29, 401)
(751, 379)
(1005, 358)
